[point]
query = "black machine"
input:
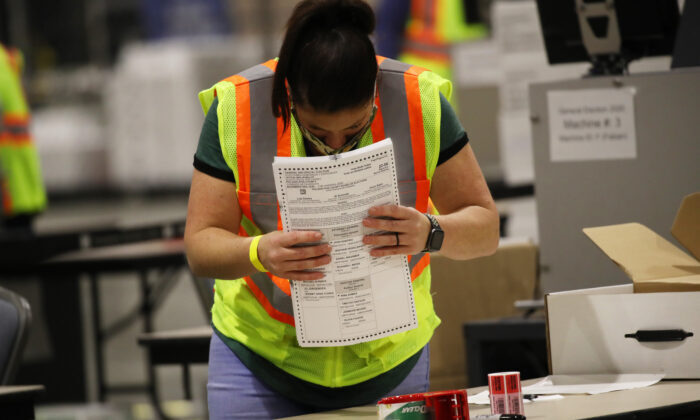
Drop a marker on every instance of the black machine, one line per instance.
(608, 33)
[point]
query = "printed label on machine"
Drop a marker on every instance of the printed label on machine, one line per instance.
(591, 124)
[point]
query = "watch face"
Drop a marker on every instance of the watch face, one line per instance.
(436, 239)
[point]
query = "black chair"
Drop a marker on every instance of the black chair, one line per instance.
(15, 319)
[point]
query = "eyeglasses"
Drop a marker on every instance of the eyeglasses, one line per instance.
(325, 149)
(321, 146)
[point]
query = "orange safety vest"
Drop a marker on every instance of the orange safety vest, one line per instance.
(257, 310)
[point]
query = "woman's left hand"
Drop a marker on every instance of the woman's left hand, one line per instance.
(406, 230)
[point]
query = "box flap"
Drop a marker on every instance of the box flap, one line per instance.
(643, 254)
(686, 227)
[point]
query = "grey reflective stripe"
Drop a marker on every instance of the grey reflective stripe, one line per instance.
(428, 17)
(425, 47)
(274, 294)
(263, 207)
(407, 193)
(415, 258)
(392, 97)
(263, 148)
(16, 130)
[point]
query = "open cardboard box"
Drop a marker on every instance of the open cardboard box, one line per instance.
(615, 330)
(652, 262)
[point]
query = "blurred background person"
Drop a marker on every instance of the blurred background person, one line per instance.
(421, 32)
(22, 192)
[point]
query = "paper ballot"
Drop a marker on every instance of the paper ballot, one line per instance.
(361, 298)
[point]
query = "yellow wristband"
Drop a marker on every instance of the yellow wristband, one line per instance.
(253, 254)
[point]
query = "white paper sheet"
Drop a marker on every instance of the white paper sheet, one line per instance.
(591, 384)
(482, 398)
(551, 387)
(361, 298)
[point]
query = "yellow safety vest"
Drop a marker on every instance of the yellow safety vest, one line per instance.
(21, 187)
(257, 310)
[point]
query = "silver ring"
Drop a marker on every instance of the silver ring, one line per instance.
(397, 238)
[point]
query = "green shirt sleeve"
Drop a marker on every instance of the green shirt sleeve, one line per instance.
(453, 137)
(210, 160)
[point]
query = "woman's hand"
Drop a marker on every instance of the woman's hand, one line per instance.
(285, 254)
(407, 230)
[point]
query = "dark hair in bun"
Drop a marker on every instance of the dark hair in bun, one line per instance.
(326, 57)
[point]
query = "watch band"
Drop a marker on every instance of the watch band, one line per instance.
(435, 236)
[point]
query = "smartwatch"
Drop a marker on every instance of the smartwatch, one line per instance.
(436, 235)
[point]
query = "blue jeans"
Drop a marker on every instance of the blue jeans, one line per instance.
(234, 393)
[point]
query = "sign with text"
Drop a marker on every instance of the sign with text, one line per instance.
(591, 124)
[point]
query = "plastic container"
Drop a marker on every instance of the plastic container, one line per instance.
(439, 405)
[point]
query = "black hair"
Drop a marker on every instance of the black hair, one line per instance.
(327, 58)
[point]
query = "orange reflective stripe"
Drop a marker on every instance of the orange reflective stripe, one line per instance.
(377, 128)
(378, 124)
(242, 91)
(262, 299)
(415, 116)
(244, 202)
(422, 195)
(15, 139)
(284, 139)
(12, 54)
(271, 64)
(420, 266)
(283, 284)
(6, 199)
(21, 120)
(284, 148)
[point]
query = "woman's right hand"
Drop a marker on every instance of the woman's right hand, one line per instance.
(284, 255)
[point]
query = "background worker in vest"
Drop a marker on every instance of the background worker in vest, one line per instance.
(328, 92)
(421, 32)
(22, 193)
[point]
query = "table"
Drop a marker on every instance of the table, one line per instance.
(180, 347)
(63, 256)
(141, 257)
(677, 399)
(17, 402)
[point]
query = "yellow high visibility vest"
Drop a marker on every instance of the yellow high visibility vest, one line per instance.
(257, 310)
(21, 187)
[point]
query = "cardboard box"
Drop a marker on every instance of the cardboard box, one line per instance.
(652, 262)
(615, 330)
(481, 288)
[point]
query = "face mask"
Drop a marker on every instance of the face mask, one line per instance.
(321, 147)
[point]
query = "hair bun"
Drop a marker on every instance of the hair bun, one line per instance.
(330, 14)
